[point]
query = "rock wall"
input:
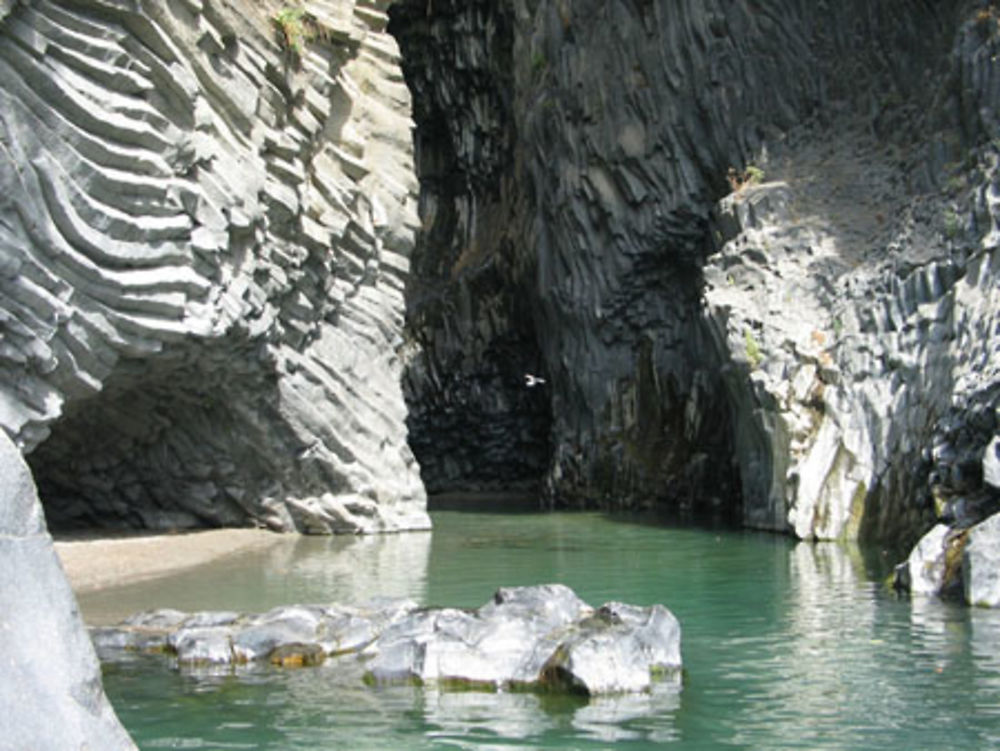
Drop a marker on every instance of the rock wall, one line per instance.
(856, 290)
(51, 688)
(793, 353)
(206, 220)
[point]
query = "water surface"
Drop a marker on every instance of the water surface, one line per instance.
(785, 645)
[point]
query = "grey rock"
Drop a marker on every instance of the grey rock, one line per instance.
(51, 689)
(204, 245)
(981, 564)
(925, 571)
(537, 638)
(785, 352)
(991, 463)
(956, 563)
(202, 645)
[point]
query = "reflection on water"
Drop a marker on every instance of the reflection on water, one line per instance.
(294, 569)
(785, 646)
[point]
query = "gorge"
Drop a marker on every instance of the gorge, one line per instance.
(291, 267)
(754, 274)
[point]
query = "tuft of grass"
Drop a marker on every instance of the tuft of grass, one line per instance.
(293, 28)
(751, 175)
(752, 348)
(952, 224)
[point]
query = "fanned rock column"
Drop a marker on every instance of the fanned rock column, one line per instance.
(205, 229)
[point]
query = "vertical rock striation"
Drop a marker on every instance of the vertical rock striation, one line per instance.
(205, 231)
(800, 353)
(474, 424)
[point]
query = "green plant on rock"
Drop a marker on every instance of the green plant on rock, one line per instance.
(752, 175)
(291, 22)
(538, 61)
(752, 349)
(952, 224)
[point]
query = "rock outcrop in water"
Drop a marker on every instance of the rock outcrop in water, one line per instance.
(205, 231)
(749, 245)
(525, 638)
(50, 681)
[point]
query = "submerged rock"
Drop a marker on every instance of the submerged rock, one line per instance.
(526, 638)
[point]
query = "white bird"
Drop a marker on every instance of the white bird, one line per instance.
(532, 380)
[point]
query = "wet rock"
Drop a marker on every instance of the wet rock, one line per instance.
(535, 638)
(952, 562)
(620, 649)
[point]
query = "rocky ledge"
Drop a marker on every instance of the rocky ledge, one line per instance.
(526, 638)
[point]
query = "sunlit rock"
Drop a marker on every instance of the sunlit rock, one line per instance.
(50, 680)
(542, 638)
(981, 564)
(205, 233)
(925, 571)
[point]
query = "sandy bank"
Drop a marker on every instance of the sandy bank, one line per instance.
(93, 563)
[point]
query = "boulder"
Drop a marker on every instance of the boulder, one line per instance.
(542, 638)
(50, 689)
(923, 572)
(991, 463)
(981, 564)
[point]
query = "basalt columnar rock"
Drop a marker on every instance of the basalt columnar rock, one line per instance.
(207, 210)
(207, 224)
(749, 245)
(527, 638)
(50, 688)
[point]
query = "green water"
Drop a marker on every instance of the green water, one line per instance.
(785, 645)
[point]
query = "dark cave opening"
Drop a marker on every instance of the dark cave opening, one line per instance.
(167, 444)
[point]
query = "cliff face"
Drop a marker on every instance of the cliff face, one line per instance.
(795, 353)
(205, 228)
(747, 247)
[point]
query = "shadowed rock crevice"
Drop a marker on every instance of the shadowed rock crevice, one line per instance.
(474, 421)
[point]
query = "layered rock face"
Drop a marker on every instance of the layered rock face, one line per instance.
(749, 245)
(206, 219)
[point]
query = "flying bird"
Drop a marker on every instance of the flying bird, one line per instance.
(532, 380)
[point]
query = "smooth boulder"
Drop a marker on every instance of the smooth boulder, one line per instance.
(981, 564)
(50, 688)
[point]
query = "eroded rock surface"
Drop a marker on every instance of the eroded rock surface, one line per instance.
(50, 689)
(204, 238)
(535, 638)
(798, 351)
